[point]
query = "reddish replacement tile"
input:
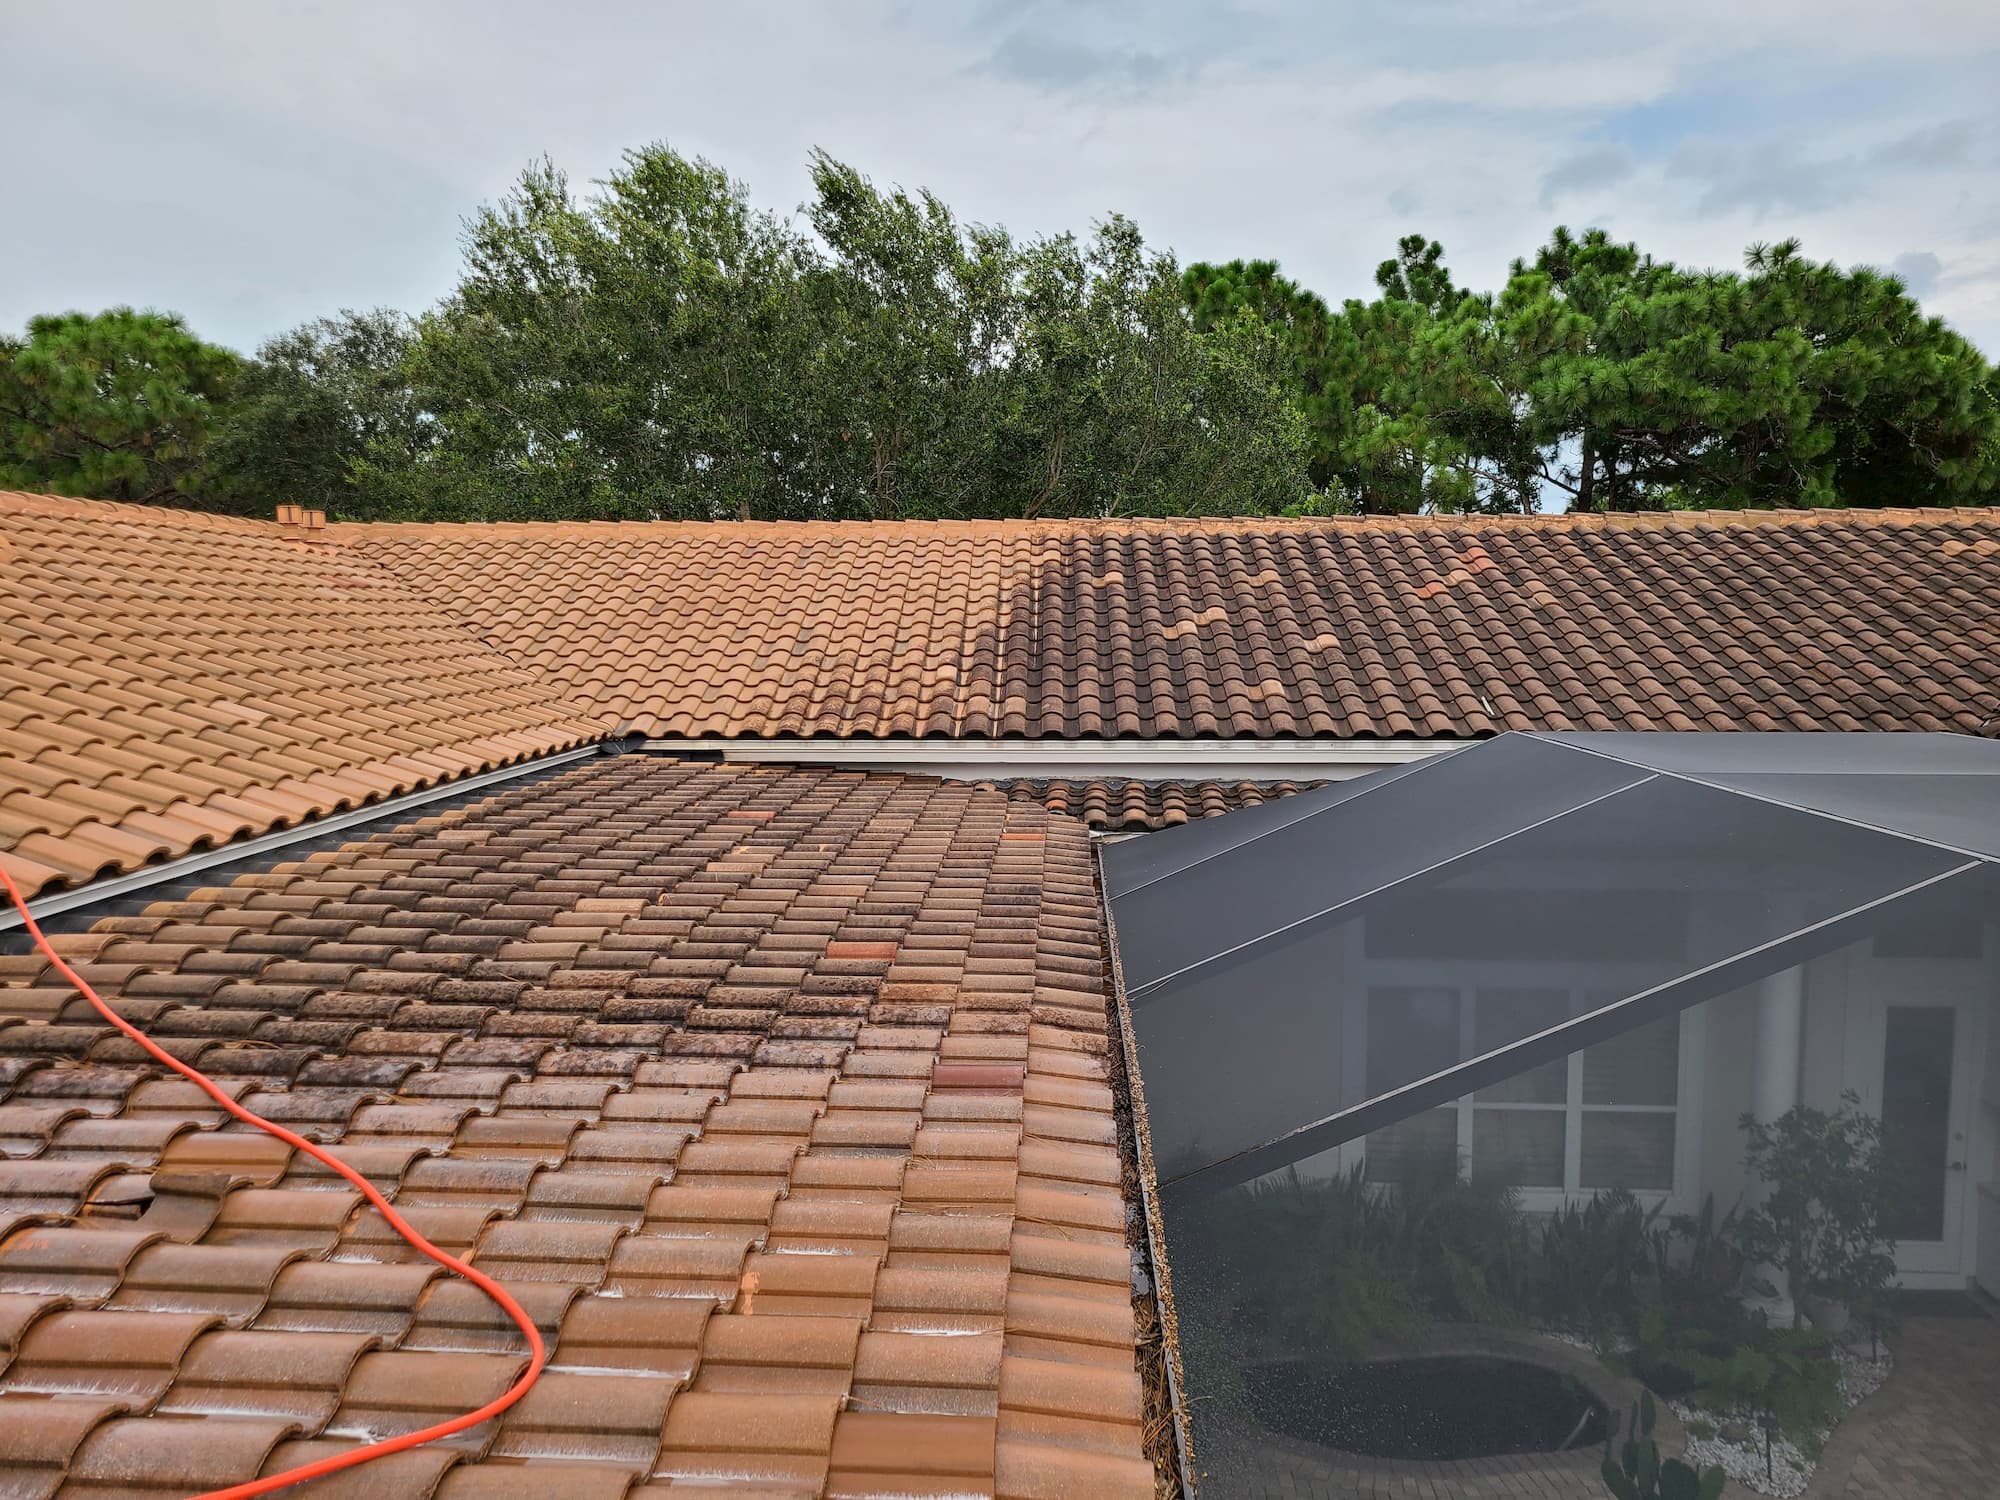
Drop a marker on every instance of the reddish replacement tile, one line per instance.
(413, 1474)
(647, 1265)
(284, 1218)
(18, 1313)
(26, 1129)
(829, 1227)
(812, 1285)
(253, 1158)
(1030, 1469)
(347, 1297)
(942, 1374)
(506, 1479)
(457, 1316)
(1080, 1405)
(370, 1237)
(884, 1453)
(684, 1211)
(985, 1078)
(872, 951)
(47, 1187)
(84, 1265)
(592, 1197)
(547, 1250)
(939, 1300)
(1095, 1330)
(652, 1336)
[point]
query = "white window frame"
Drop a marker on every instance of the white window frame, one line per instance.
(1469, 976)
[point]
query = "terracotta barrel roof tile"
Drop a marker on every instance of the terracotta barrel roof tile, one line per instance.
(726, 1233)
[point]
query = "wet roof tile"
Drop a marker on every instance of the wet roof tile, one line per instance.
(749, 1249)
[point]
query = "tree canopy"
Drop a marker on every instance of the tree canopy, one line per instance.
(118, 405)
(661, 347)
(1620, 382)
(664, 349)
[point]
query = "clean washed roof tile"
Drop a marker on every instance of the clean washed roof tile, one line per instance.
(171, 681)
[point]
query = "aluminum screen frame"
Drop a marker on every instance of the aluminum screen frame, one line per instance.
(1162, 927)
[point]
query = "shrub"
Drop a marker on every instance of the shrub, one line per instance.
(1634, 1469)
(1787, 1373)
(1597, 1264)
(1700, 1264)
(1297, 1266)
(1832, 1188)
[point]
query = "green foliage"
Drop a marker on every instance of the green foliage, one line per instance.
(1333, 1268)
(626, 357)
(1297, 1267)
(1742, 1363)
(314, 405)
(663, 349)
(1794, 383)
(117, 405)
(1832, 1187)
(1397, 415)
(1700, 1264)
(1598, 1264)
(1627, 383)
(1469, 1248)
(660, 347)
(1634, 1470)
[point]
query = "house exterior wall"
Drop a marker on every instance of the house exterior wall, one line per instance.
(1841, 1052)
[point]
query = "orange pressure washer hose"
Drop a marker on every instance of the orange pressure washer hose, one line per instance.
(450, 1262)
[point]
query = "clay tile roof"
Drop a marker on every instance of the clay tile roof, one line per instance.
(171, 681)
(1120, 805)
(1267, 627)
(794, 1135)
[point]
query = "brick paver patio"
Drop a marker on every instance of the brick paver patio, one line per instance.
(1933, 1431)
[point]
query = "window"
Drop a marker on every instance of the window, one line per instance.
(1605, 1117)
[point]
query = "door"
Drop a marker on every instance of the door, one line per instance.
(1914, 1041)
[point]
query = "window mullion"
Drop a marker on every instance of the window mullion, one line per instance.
(1467, 1030)
(1573, 1120)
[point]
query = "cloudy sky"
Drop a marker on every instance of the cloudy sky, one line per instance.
(254, 165)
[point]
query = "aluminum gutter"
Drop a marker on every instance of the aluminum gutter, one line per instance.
(1159, 1271)
(114, 886)
(1073, 760)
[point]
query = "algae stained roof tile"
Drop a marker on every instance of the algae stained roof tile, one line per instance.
(1266, 627)
(725, 1285)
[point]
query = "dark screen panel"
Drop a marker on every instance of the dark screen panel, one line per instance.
(1255, 1045)
(1960, 811)
(1131, 863)
(1437, 813)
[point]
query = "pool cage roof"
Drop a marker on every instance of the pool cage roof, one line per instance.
(1656, 871)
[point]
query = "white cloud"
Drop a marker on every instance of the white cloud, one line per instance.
(1920, 271)
(253, 166)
